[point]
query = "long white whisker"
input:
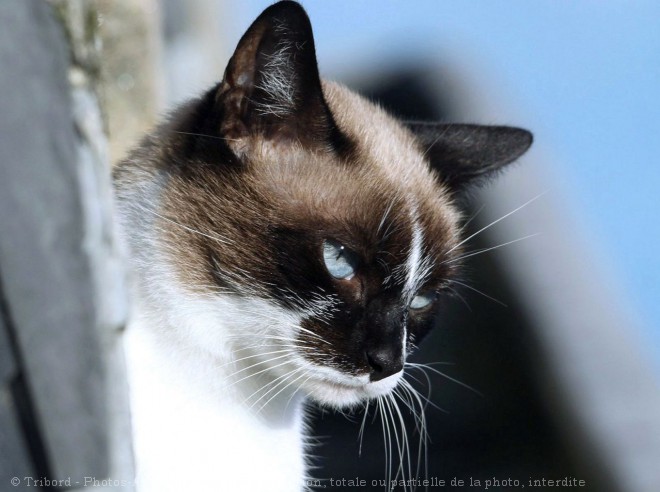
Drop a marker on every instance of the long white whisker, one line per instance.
(386, 440)
(253, 356)
(414, 394)
(280, 391)
(278, 346)
(405, 447)
(474, 216)
(423, 367)
(485, 250)
(423, 441)
(305, 330)
(496, 221)
(282, 380)
(267, 385)
(426, 399)
(256, 373)
(189, 229)
(361, 433)
(297, 389)
(479, 292)
(205, 136)
(259, 363)
(457, 294)
(428, 385)
(384, 218)
(399, 445)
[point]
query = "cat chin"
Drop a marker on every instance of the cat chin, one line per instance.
(341, 396)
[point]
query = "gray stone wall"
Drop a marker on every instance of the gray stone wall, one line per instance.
(63, 405)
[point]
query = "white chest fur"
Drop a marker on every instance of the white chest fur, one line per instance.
(193, 433)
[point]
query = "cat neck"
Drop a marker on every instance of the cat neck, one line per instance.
(199, 418)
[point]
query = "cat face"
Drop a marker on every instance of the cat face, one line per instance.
(310, 223)
(355, 251)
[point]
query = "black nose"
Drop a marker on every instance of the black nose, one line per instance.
(384, 362)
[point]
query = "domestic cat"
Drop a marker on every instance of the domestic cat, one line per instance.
(290, 242)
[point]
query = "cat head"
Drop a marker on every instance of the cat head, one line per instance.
(308, 222)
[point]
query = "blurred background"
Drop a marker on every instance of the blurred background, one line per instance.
(558, 333)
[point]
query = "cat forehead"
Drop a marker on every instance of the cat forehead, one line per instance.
(380, 140)
(385, 170)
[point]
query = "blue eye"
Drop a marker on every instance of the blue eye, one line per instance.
(339, 260)
(420, 301)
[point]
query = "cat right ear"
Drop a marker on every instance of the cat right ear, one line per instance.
(271, 86)
(464, 155)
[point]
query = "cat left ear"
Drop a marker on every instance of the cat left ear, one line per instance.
(466, 154)
(271, 85)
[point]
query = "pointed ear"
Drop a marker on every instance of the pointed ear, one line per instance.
(465, 154)
(271, 85)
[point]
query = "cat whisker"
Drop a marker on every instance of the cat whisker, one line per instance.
(474, 216)
(435, 141)
(404, 395)
(421, 436)
(390, 419)
(485, 250)
(361, 432)
(389, 231)
(423, 401)
(205, 136)
(189, 229)
(253, 356)
(386, 441)
(479, 292)
(406, 385)
(420, 424)
(274, 384)
(401, 442)
(423, 367)
(280, 391)
(457, 294)
(385, 215)
(384, 264)
(300, 386)
(295, 326)
(495, 222)
(405, 399)
(427, 398)
(404, 432)
(278, 346)
(260, 371)
(318, 337)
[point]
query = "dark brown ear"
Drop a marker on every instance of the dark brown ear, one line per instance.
(465, 154)
(272, 86)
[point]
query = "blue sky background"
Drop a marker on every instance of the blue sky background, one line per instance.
(585, 74)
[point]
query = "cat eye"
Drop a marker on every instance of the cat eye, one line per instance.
(340, 261)
(420, 301)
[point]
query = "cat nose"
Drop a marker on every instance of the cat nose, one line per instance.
(384, 362)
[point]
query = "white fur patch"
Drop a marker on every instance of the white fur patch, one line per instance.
(413, 264)
(418, 265)
(187, 436)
